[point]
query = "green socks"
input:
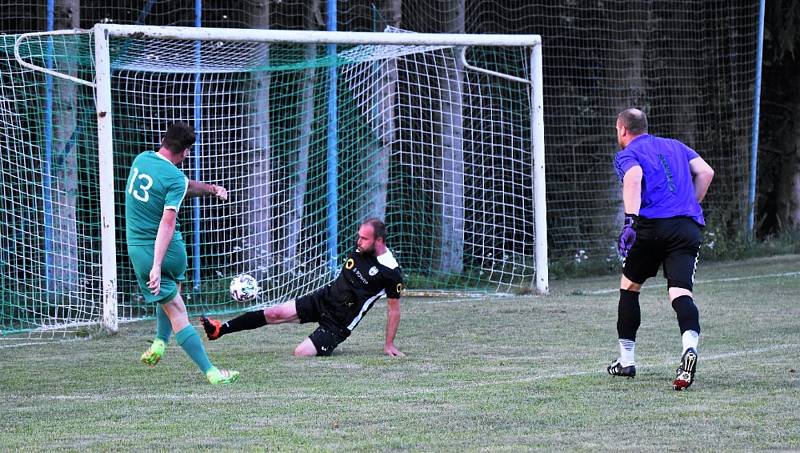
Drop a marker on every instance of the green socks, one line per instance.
(193, 346)
(163, 325)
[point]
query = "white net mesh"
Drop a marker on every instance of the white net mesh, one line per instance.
(49, 251)
(441, 152)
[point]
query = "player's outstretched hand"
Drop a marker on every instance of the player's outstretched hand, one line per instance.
(220, 192)
(390, 350)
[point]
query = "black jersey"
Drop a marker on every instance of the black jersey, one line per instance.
(362, 280)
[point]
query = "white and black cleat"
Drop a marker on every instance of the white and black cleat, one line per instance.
(616, 369)
(685, 373)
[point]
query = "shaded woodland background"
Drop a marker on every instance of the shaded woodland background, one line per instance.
(690, 65)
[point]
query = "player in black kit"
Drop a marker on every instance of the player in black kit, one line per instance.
(367, 274)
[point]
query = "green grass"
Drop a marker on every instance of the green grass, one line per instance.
(503, 374)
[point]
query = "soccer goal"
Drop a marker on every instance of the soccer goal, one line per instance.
(312, 132)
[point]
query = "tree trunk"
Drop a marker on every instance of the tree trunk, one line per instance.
(450, 205)
(627, 75)
(685, 94)
(793, 201)
(393, 12)
(259, 198)
(295, 225)
(64, 178)
(383, 126)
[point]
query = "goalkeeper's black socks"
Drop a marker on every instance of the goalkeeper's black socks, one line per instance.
(629, 315)
(247, 321)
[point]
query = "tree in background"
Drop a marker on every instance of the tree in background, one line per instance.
(778, 201)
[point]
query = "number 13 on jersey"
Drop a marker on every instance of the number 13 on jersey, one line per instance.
(145, 182)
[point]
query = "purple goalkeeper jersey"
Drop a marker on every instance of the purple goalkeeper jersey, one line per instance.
(667, 188)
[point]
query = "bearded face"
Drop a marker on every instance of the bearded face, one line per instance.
(365, 242)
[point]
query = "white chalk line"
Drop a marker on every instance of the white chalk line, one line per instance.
(460, 299)
(391, 393)
(713, 280)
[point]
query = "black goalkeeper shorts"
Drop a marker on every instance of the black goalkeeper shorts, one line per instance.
(675, 242)
(312, 308)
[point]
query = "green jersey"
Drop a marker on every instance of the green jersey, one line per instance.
(154, 184)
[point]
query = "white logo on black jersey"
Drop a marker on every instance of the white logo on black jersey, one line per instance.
(372, 271)
(360, 277)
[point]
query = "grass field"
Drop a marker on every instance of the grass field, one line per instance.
(497, 374)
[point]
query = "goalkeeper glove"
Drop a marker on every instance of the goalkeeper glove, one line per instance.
(628, 234)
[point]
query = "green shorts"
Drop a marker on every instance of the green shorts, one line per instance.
(173, 269)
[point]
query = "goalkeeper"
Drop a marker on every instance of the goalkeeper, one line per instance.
(367, 274)
(663, 183)
(154, 193)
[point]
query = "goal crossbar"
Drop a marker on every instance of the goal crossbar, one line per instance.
(317, 37)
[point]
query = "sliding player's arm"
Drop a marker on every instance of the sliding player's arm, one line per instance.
(393, 290)
(392, 323)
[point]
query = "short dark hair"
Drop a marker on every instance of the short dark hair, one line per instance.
(378, 227)
(179, 136)
(634, 120)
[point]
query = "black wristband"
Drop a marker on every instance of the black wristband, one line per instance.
(631, 219)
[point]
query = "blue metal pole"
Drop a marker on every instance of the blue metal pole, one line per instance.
(333, 145)
(48, 152)
(198, 147)
(751, 199)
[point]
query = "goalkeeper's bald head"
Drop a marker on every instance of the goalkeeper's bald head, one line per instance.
(634, 120)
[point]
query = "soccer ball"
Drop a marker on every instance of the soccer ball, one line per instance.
(244, 288)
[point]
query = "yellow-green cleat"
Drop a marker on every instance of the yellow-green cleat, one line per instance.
(217, 376)
(154, 353)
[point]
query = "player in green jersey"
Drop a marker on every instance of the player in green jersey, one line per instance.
(154, 193)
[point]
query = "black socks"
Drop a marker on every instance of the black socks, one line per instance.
(247, 321)
(629, 315)
(688, 316)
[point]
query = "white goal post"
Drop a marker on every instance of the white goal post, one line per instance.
(441, 134)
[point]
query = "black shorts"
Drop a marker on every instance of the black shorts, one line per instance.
(675, 242)
(313, 308)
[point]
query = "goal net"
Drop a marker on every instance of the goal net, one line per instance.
(49, 216)
(311, 133)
